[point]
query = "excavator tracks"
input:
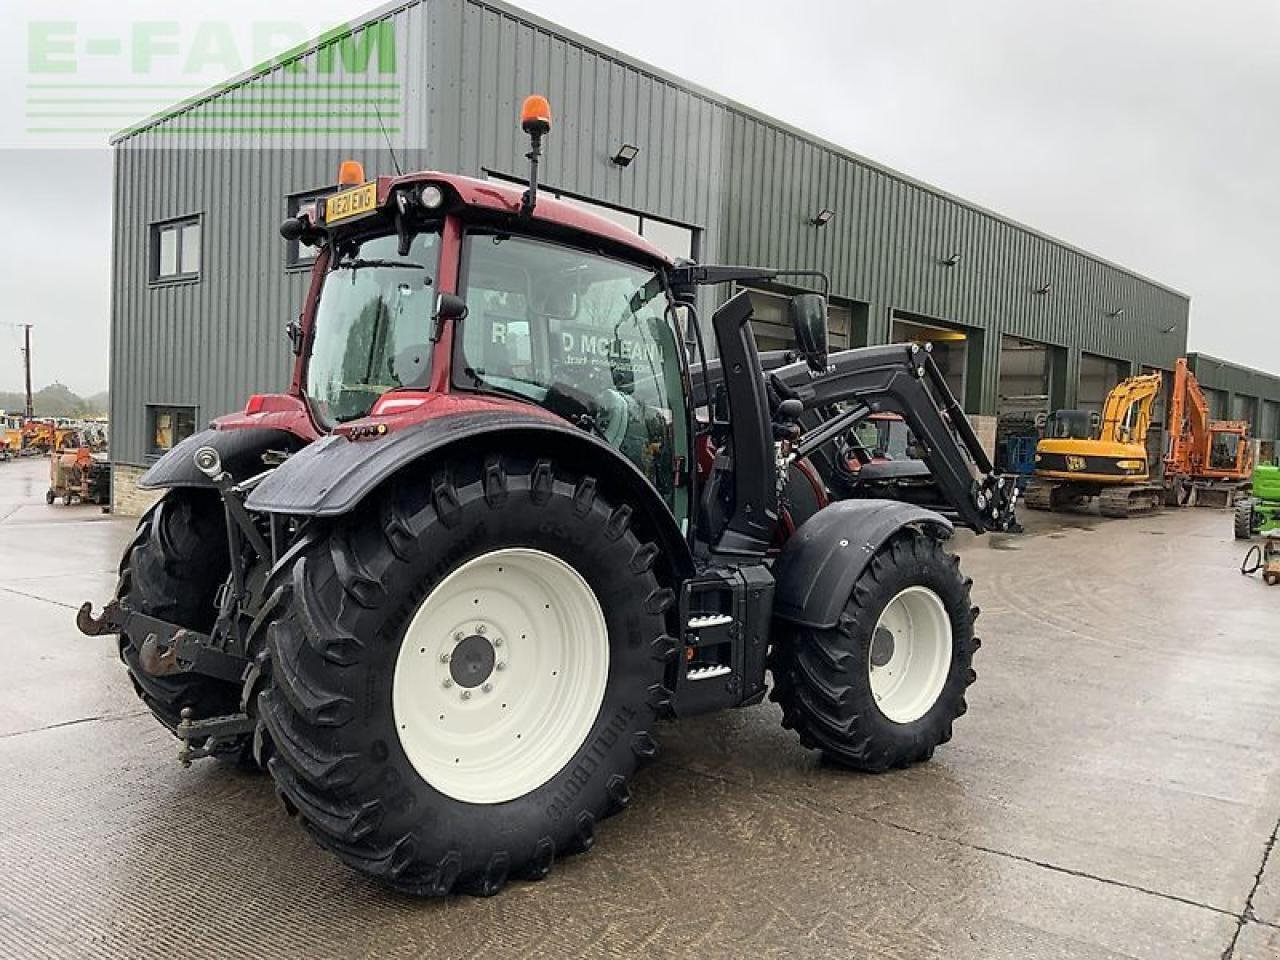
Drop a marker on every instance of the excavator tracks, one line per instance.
(1130, 501)
(1047, 495)
(1120, 501)
(1038, 495)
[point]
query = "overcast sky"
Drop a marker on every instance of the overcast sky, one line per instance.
(1146, 132)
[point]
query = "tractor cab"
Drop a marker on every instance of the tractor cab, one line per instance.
(435, 293)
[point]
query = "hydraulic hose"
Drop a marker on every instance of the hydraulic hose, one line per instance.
(1254, 554)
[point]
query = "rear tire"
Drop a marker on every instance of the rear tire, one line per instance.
(366, 720)
(882, 688)
(1243, 526)
(172, 571)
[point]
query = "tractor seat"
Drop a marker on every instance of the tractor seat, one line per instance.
(885, 470)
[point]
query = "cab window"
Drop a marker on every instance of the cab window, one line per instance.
(582, 335)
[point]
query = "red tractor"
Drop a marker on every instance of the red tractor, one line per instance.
(444, 586)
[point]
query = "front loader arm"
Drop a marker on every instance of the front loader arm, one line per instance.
(901, 379)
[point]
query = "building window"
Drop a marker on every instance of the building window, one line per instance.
(167, 427)
(175, 250)
(299, 256)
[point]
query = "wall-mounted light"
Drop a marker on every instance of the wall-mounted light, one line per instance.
(822, 217)
(1117, 313)
(1045, 290)
(626, 153)
(950, 261)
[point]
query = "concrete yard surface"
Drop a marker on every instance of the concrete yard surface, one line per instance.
(1113, 791)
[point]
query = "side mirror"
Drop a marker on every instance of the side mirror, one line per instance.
(449, 306)
(293, 330)
(809, 321)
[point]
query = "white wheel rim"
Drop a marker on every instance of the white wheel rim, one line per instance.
(910, 654)
(488, 736)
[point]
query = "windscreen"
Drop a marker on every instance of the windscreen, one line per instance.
(583, 335)
(1224, 451)
(372, 326)
(1071, 425)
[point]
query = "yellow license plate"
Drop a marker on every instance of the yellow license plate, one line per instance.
(351, 203)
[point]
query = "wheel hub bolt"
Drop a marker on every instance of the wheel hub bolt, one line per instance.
(487, 688)
(458, 637)
(497, 641)
(448, 682)
(480, 628)
(466, 694)
(501, 665)
(444, 658)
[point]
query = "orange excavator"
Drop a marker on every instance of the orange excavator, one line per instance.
(1208, 461)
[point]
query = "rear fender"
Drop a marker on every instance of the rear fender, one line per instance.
(822, 560)
(241, 451)
(332, 476)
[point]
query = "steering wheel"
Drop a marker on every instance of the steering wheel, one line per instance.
(411, 366)
(613, 417)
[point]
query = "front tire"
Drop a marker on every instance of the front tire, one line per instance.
(882, 688)
(1243, 526)
(401, 762)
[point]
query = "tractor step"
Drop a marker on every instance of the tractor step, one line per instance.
(710, 620)
(726, 614)
(708, 672)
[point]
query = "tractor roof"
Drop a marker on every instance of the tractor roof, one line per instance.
(505, 198)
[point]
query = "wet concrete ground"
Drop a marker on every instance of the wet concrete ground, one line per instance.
(1114, 791)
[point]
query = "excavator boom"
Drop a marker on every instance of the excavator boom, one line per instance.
(1126, 416)
(1210, 456)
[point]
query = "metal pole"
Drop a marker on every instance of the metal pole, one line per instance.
(26, 362)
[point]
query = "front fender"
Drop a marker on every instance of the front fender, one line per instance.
(822, 560)
(241, 451)
(333, 475)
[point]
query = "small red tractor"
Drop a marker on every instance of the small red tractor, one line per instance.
(508, 515)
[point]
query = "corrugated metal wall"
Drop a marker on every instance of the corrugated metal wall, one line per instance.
(890, 236)
(234, 159)
(1243, 391)
(495, 58)
(748, 184)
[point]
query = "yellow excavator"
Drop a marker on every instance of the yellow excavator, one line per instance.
(1084, 455)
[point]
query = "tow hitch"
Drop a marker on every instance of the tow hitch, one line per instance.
(204, 738)
(167, 648)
